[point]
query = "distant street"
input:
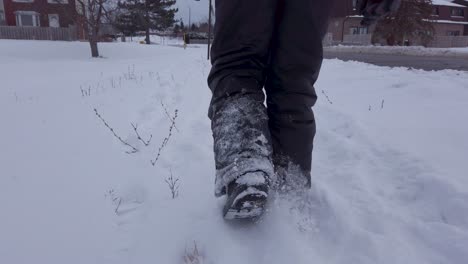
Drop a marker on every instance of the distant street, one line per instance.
(397, 60)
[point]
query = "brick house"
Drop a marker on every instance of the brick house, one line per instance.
(449, 18)
(39, 13)
(464, 3)
(346, 20)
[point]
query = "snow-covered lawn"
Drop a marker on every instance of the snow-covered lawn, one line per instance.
(390, 165)
(412, 50)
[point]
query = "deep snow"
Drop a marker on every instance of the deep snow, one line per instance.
(390, 170)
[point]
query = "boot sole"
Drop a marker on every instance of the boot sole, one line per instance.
(251, 213)
(249, 206)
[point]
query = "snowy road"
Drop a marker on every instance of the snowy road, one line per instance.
(427, 63)
(389, 178)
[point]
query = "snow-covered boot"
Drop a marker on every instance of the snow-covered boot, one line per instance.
(246, 196)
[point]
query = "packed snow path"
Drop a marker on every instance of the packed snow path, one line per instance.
(390, 164)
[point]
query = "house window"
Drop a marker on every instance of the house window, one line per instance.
(435, 11)
(359, 31)
(2, 17)
(457, 12)
(354, 4)
(57, 1)
(27, 19)
(54, 20)
(453, 33)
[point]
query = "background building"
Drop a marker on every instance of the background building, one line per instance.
(450, 19)
(39, 13)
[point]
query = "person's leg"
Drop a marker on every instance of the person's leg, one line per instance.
(294, 67)
(242, 144)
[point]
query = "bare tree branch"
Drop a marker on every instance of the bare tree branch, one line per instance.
(326, 96)
(133, 149)
(145, 142)
(168, 115)
(173, 185)
(166, 139)
(193, 256)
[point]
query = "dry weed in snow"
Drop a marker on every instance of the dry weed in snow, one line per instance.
(193, 255)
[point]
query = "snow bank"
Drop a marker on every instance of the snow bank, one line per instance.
(389, 175)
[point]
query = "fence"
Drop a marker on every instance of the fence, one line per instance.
(437, 42)
(327, 40)
(358, 39)
(449, 42)
(38, 33)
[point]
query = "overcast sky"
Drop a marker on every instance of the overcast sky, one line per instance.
(199, 10)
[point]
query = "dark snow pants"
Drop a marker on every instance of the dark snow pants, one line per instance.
(275, 45)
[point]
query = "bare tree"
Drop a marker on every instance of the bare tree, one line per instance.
(91, 14)
(412, 21)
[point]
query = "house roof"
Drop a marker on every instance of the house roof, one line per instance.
(446, 3)
(462, 2)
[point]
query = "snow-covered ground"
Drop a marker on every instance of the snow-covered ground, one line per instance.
(402, 50)
(390, 164)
